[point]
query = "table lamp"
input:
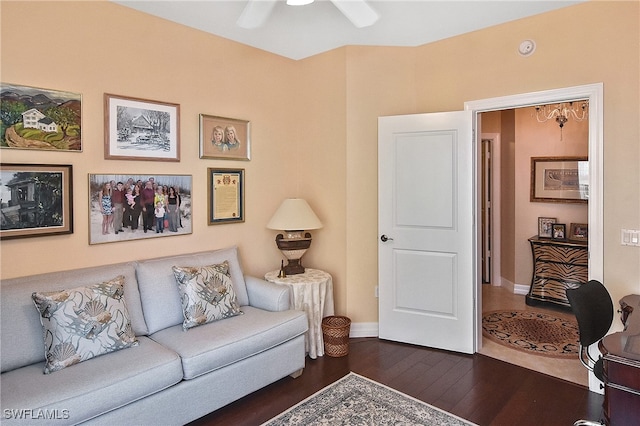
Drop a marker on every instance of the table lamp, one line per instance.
(294, 216)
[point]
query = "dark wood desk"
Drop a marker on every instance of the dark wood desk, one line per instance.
(622, 367)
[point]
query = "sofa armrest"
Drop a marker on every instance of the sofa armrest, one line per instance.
(266, 295)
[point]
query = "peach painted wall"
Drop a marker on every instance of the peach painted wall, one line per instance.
(314, 123)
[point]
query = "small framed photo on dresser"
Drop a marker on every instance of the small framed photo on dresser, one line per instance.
(559, 231)
(579, 232)
(545, 227)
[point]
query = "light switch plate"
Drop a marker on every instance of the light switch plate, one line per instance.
(630, 237)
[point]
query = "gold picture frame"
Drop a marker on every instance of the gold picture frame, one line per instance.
(225, 138)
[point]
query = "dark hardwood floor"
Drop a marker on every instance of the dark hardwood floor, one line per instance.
(475, 387)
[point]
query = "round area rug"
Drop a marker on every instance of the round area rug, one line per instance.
(533, 332)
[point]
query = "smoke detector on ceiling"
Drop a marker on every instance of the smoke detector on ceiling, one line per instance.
(527, 48)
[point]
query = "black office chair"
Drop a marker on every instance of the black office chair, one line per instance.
(593, 308)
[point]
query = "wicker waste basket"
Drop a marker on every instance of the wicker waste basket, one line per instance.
(335, 332)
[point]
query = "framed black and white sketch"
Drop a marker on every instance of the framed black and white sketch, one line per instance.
(37, 200)
(125, 207)
(140, 129)
(41, 119)
(224, 138)
(560, 179)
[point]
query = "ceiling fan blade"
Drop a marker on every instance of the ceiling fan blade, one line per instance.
(255, 13)
(357, 11)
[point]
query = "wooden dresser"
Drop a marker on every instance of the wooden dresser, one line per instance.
(621, 363)
(557, 266)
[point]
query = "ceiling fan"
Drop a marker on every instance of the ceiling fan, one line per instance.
(358, 12)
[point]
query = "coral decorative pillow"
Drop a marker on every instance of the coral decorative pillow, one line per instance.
(83, 322)
(206, 293)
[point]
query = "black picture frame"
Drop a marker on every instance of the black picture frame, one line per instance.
(225, 195)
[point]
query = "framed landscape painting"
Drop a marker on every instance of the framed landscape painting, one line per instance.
(140, 129)
(122, 207)
(41, 119)
(37, 200)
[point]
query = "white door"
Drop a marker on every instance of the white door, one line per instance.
(427, 266)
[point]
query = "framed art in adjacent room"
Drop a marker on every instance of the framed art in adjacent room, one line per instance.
(224, 138)
(559, 179)
(225, 195)
(545, 226)
(131, 213)
(41, 119)
(140, 129)
(579, 232)
(37, 200)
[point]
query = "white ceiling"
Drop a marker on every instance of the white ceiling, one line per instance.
(297, 32)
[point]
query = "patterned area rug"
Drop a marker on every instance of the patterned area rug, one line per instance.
(356, 400)
(533, 332)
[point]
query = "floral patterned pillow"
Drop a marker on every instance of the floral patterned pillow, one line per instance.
(83, 322)
(206, 293)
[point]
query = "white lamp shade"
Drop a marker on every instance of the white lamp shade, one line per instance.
(294, 214)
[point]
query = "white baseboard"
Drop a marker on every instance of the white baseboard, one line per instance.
(364, 329)
(522, 289)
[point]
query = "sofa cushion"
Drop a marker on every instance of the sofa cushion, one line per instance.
(218, 344)
(21, 322)
(159, 292)
(84, 322)
(93, 387)
(207, 294)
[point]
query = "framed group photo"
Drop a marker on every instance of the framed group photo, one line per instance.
(40, 119)
(125, 207)
(225, 195)
(560, 179)
(140, 129)
(224, 138)
(37, 200)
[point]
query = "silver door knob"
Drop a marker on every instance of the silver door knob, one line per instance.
(384, 238)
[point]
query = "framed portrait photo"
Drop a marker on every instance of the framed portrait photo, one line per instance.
(140, 129)
(37, 200)
(545, 226)
(40, 119)
(579, 232)
(224, 138)
(559, 231)
(225, 195)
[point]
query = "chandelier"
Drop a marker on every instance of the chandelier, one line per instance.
(576, 110)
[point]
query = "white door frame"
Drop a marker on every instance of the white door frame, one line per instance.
(594, 93)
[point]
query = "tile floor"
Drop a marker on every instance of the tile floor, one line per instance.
(496, 298)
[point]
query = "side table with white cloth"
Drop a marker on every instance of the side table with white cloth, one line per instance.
(311, 292)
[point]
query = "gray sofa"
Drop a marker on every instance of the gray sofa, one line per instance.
(172, 376)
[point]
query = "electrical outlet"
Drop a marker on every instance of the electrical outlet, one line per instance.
(630, 237)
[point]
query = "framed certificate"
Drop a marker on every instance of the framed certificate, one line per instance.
(225, 195)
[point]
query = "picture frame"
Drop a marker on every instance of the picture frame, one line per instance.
(216, 134)
(141, 129)
(40, 119)
(560, 179)
(579, 232)
(559, 231)
(225, 195)
(545, 226)
(37, 200)
(135, 220)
